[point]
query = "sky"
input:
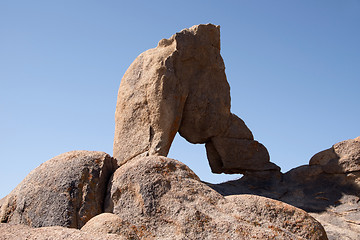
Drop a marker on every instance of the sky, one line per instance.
(293, 68)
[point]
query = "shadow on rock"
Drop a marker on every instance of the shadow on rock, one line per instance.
(328, 188)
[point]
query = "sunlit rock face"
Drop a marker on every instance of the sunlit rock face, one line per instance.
(66, 190)
(161, 198)
(181, 86)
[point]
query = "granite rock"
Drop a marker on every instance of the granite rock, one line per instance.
(163, 199)
(181, 86)
(111, 223)
(67, 190)
(328, 188)
(22, 232)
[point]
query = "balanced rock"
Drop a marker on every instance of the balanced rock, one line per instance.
(161, 198)
(67, 190)
(180, 86)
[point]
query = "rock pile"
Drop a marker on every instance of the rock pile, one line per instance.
(142, 194)
(147, 198)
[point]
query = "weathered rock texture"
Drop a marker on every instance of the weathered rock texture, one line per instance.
(111, 223)
(343, 157)
(67, 191)
(328, 188)
(161, 198)
(180, 86)
(23, 232)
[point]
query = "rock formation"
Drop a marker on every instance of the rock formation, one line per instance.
(342, 158)
(163, 199)
(111, 223)
(147, 198)
(328, 188)
(180, 86)
(67, 190)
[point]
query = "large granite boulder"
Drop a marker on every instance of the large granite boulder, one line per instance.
(161, 198)
(180, 86)
(67, 190)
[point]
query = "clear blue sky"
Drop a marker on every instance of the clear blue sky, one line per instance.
(293, 68)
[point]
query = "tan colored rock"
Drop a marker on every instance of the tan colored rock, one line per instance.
(323, 157)
(328, 188)
(224, 150)
(2, 202)
(343, 157)
(111, 223)
(349, 155)
(67, 190)
(273, 214)
(165, 200)
(22, 232)
(180, 86)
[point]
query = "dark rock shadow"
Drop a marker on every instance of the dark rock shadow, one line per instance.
(306, 187)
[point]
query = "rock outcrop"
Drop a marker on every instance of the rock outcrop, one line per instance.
(180, 86)
(147, 198)
(342, 158)
(328, 188)
(67, 190)
(161, 198)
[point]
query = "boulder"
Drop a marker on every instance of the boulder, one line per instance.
(328, 188)
(224, 150)
(161, 198)
(181, 86)
(20, 231)
(272, 214)
(111, 223)
(343, 157)
(67, 190)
